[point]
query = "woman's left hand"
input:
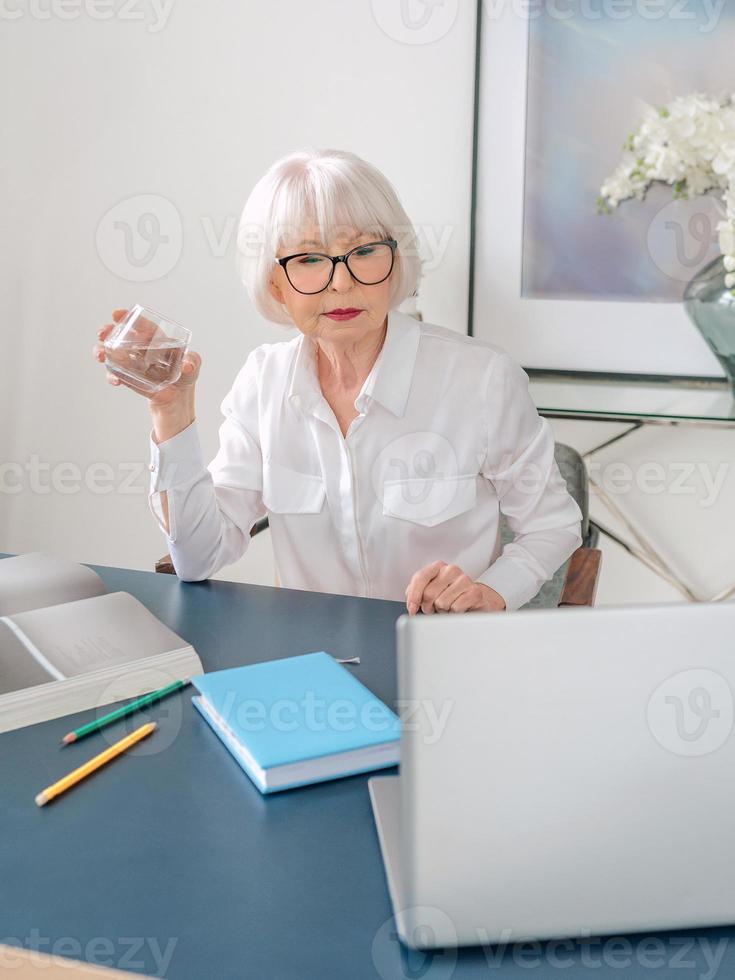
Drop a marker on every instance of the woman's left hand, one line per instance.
(440, 587)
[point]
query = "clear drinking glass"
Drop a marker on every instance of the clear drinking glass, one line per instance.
(146, 349)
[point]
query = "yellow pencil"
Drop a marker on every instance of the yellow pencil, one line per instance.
(99, 760)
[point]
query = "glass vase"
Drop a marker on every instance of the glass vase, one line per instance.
(711, 307)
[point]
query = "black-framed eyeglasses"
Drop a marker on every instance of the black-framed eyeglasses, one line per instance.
(312, 272)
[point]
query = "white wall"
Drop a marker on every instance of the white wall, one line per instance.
(175, 114)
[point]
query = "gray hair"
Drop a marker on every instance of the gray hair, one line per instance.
(330, 189)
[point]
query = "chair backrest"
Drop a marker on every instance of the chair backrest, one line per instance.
(572, 468)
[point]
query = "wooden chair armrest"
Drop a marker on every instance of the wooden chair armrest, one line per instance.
(583, 574)
(166, 566)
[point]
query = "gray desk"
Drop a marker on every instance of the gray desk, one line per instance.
(171, 850)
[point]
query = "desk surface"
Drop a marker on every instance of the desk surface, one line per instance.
(172, 855)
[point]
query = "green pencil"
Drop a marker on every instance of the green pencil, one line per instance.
(127, 709)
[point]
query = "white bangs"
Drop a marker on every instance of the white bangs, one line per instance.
(321, 195)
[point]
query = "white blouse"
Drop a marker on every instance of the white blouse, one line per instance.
(446, 438)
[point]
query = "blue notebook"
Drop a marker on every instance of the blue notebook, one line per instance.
(298, 720)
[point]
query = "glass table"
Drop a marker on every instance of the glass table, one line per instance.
(637, 400)
(632, 398)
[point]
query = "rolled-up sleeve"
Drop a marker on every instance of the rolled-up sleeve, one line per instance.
(520, 463)
(212, 508)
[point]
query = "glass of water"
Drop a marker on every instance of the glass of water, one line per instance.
(146, 349)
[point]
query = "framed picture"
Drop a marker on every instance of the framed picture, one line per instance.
(559, 87)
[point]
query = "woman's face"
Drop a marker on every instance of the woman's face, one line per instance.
(342, 293)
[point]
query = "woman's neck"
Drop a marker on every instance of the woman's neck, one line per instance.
(345, 368)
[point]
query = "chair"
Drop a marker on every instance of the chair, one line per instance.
(574, 583)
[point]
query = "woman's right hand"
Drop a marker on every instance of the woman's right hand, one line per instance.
(179, 395)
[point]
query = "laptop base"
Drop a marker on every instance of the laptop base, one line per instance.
(386, 802)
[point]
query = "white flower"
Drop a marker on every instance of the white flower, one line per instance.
(724, 162)
(700, 181)
(688, 144)
(730, 280)
(727, 237)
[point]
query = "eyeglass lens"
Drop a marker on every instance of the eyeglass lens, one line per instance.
(369, 264)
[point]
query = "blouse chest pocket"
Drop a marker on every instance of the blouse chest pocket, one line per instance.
(287, 491)
(429, 501)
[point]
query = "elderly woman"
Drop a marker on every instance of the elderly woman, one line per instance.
(382, 449)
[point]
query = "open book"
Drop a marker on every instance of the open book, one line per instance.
(67, 645)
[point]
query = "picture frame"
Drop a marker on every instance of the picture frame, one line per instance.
(589, 338)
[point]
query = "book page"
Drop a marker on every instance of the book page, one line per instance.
(36, 579)
(32, 964)
(97, 633)
(18, 669)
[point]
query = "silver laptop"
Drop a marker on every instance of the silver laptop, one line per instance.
(564, 773)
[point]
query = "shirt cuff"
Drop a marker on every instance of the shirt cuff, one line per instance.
(511, 581)
(175, 461)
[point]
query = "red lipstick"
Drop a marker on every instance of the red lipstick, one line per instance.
(347, 314)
